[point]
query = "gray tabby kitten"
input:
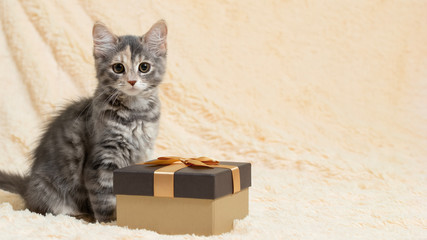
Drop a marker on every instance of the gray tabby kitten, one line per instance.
(73, 165)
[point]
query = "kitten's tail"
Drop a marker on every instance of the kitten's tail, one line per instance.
(15, 183)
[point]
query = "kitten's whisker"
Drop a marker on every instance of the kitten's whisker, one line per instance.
(109, 98)
(94, 101)
(84, 109)
(116, 117)
(88, 105)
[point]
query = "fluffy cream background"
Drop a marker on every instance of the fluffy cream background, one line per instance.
(327, 99)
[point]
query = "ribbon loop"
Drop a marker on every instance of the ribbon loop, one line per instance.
(199, 162)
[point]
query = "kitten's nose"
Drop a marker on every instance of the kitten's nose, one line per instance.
(132, 82)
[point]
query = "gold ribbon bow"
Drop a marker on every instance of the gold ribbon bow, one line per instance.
(163, 177)
(200, 161)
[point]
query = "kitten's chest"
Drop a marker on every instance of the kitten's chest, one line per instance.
(141, 136)
(138, 133)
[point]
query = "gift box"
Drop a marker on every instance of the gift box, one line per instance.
(173, 195)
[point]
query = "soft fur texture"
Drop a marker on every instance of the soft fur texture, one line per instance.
(326, 99)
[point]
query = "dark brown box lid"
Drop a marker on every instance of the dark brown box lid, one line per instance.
(189, 182)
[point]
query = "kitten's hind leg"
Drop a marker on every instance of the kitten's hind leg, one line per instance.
(43, 197)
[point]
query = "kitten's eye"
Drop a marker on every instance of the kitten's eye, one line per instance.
(144, 67)
(118, 68)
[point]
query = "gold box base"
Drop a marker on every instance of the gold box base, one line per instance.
(182, 215)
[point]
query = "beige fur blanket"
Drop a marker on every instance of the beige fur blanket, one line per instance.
(327, 100)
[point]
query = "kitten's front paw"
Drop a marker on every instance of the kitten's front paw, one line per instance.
(105, 218)
(106, 214)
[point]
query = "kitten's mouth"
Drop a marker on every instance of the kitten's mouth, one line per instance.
(132, 91)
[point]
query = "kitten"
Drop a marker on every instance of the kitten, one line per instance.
(73, 164)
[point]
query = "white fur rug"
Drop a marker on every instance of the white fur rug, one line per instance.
(326, 99)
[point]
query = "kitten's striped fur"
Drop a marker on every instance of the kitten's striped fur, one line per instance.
(73, 164)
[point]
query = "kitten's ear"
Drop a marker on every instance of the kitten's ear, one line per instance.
(155, 38)
(103, 40)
